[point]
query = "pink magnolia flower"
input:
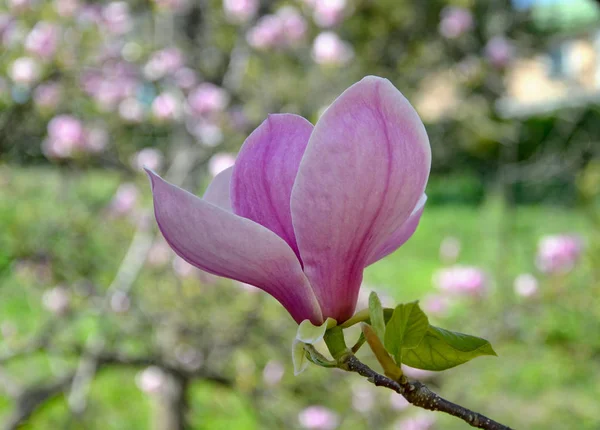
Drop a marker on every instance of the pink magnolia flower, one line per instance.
(328, 13)
(166, 107)
(208, 99)
(461, 280)
(273, 372)
(499, 51)
(43, 40)
(526, 285)
(329, 49)
(267, 33)
(293, 23)
(116, 17)
(318, 418)
(305, 209)
(47, 95)
(164, 62)
(455, 22)
(25, 70)
(558, 254)
(240, 11)
(66, 136)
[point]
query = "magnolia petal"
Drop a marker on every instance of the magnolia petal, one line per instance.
(265, 171)
(217, 191)
(401, 234)
(227, 245)
(364, 169)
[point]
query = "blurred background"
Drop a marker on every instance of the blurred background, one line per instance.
(102, 327)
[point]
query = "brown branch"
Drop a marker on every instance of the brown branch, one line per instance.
(419, 395)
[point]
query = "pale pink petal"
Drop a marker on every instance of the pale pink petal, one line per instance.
(265, 170)
(363, 172)
(227, 245)
(401, 234)
(217, 191)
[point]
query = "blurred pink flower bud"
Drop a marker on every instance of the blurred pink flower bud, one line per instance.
(558, 254)
(96, 139)
(43, 40)
(419, 422)
(66, 8)
(124, 200)
(293, 24)
(185, 78)
(273, 372)
(150, 380)
(267, 33)
(450, 250)
(149, 158)
(208, 134)
(328, 13)
(65, 137)
(120, 302)
(131, 110)
(499, 51)
(220, 162)
(166, 107)
(526, 285)
(329, 49)
(461, 280)
(208, 99)
(47, 95)
(363, 398)
(240, 11)
(397, 402)
(164, 62)
(57, 300)
(436, 305)
(25, 70)
(318, 418)
(455, 21)
(116, 17)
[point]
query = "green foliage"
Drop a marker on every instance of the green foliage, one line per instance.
(376, 315)
(405, 330)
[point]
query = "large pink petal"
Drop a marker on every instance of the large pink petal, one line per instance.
(363, 172)
(401, 234)
(265, 171)
(217, 191)
(225, 244)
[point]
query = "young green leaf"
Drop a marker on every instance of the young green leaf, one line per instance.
(299, 357)
(405, 329)
(442, 349)
(376, 314)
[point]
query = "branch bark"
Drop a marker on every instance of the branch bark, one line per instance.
(419, 395)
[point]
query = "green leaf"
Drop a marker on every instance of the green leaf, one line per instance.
(442, 349)
(376, 314)
(405, 329)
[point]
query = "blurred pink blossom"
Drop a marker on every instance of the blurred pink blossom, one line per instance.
(208, 134)
(293, 24)
(526, 285)
(328, 13)
(419, 422)
(240, 11)
(25, 70)
(149, 158)
(558, 254)
(47, 95)
(66, 8)
(499, 51)
(131, 110)
(116, 18)
(185, 78)
(208, 99)
(273, 372)
(164, 62)
(96, 139)
(42, 40)
(461, 280)
(220, 162)
(455, 21)
(329, 49)
(151, 380)
(318, 418)
(436, 304)
(57, 300)
(12, 31)
(166, 107)
(65, 137)
(267, 33)
(124, 200)
(159, 254)
(450, 250)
